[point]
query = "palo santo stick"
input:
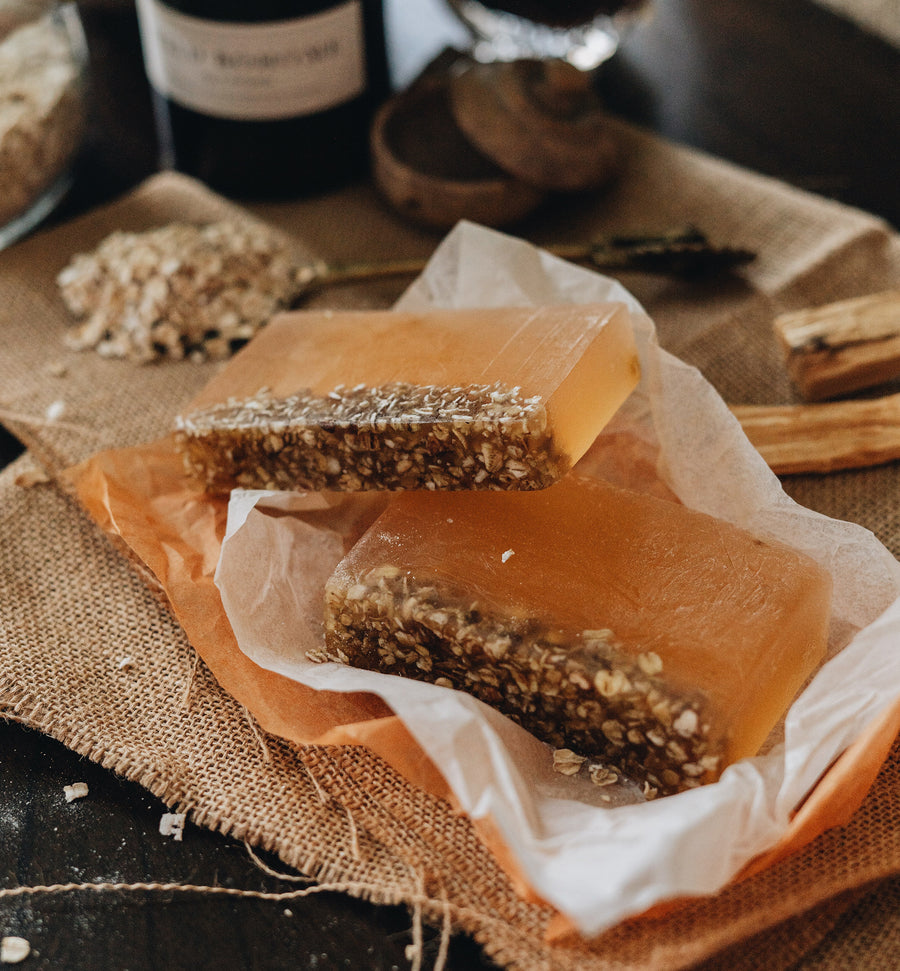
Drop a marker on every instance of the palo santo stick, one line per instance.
(844, 346)
(824, 437)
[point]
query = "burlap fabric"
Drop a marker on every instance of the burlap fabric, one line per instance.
(71, 607)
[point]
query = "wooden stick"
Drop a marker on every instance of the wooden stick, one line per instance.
(824, 437)
(842, 347)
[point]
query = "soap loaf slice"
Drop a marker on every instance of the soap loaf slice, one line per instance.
(399, 436)
(490, 399)
(624, 627)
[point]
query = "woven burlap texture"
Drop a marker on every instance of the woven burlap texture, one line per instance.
(71, 608)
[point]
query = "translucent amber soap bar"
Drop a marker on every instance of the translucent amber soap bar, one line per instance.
(506, 398)
(624, 627)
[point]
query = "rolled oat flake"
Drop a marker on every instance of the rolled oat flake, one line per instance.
(14, 950)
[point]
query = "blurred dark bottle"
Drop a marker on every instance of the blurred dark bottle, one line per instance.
(561, 13)
(265, 98)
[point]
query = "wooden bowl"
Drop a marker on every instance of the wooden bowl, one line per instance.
(430, 172)
(541, 121)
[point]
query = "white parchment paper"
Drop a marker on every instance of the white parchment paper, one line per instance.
(595, 864)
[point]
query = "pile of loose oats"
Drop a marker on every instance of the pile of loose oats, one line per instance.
(42, 113)
(580, 692)
(395, 436)
(178, 291)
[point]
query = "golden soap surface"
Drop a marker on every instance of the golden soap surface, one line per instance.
(612, 623)
(494, 398)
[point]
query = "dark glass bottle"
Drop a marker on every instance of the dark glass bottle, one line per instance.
(561, 13)
(265, 98)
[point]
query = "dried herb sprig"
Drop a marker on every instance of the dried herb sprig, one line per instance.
(686, 254)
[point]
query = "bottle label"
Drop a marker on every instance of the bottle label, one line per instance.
(255, 71)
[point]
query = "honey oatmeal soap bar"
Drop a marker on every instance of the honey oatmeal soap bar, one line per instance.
(623, 627)
(502, 398)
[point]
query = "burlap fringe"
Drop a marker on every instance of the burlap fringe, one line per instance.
(18, 706)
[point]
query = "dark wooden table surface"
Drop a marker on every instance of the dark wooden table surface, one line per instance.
(788, 89)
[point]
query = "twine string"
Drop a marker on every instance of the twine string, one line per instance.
(419, 901)
(105, 887)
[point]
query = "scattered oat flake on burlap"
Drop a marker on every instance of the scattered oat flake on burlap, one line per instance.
(31, 477)
(55, 410)
(178, 291)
